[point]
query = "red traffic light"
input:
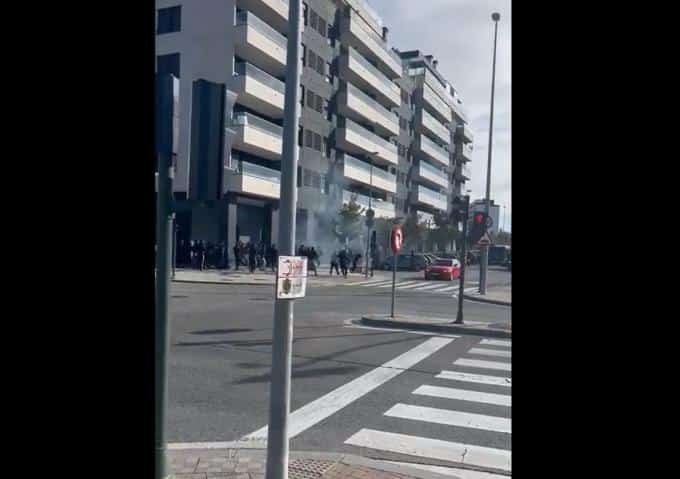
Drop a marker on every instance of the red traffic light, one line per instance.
(479, 218)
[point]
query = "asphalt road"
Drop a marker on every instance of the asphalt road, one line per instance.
(220, 363)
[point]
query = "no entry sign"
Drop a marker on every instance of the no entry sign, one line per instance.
(396, 239)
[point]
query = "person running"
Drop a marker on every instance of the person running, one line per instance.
(344, 260)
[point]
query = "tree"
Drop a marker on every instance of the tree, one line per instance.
(502, 238)
(415, 232)
(444, 232)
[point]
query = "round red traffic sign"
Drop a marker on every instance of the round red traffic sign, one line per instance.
(396, 239)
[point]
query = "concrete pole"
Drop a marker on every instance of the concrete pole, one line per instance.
(282, 341)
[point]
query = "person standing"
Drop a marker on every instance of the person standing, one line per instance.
(313, 260)
(251, 256)
(342, 257)
(237, 255)
(334, 263)
(200, 253)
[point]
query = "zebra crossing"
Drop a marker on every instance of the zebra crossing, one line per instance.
(488, 385)
(435, 287)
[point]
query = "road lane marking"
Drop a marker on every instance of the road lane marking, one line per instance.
(491, 352)
(432, 448)
(419, 283)
(451, 471)
(428, 286)
(475, 378)
(478, 363)
(451, 418)
(447, 288)
(464, 395)
(372, 282)
(398, 285)
(350, 324)
(327, 405)
(496, 342)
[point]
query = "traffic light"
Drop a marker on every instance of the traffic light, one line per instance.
(459, 207)
(478, 227)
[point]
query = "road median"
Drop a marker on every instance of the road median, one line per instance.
(438, 325)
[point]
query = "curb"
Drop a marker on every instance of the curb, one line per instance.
(480, 299)
(225, 283)
(436, 328)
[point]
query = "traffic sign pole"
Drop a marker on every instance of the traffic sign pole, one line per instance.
(396, 240)
(282, 341)
(463, 264)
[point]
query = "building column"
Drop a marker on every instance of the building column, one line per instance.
(231, 225)
(275, 226)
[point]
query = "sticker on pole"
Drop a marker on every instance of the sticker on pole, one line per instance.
(396, 239)
(291, 280)
(484, 240)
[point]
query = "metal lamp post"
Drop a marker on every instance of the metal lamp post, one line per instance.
(369, 221)
(484, 260)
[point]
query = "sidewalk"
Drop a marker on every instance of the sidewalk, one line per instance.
(494, 294)
(251, 464)
(439, 325)
(244, 277)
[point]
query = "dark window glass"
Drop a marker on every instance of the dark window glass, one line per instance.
(311, 59)
(310, 99)
(307, 177)
(320, 66)
(302, 95)
(299, 174)
(304, 55)
(316, 180)
(322, 27)
(317, 142)
(309, 138)
(313, 19)
(169, 64)
(331, 35)
(299, 140)
(169, 20)
(319, 104)
(305, 12)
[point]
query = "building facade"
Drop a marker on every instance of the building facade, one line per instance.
(377, 125)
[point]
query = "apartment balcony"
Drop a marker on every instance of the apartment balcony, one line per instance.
(445, 95)
(467, 152)
(258, 90)
(357, 140)
(357, 70)
(257, 136)
(274, 12)
(361, 172)
(467, 134)
(355, 104)
(253, 180)
(463, 172)
(433, 151)
(435, 104)
(259, 44)
(430, 125)
(383, 209)
(432, 176)
(431, 198)
(355, 32)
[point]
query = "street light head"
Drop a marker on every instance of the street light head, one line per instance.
(495, 16)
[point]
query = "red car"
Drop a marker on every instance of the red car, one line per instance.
(448, 269)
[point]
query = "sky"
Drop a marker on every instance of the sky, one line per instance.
(459, 33)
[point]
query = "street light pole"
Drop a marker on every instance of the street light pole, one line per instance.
(484, 260)
(368, 221)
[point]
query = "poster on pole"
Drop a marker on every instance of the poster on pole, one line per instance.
(291, 277)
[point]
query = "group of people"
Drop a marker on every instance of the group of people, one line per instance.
(255, 255)
(202, 255)
(312, 256)
(344, 261)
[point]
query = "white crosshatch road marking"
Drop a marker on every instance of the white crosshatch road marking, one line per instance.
(464, 395)
(325, 406)
(496, 342)
(490, 352)
(475, 378)
(424, 447)
(450, 417)
(477, 363)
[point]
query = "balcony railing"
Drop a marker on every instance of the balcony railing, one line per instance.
(383, 209)
(465, 170)
(249, 70)
(389, 120)
(434, 151)
(247, 18)
(361, 171)
(433, 174)
(431, 197)
(433, 125)
(257, 171)
(467, 152)
(384, 85)
(366, 167)
(369, 42)
(246, 119)
(436, 103)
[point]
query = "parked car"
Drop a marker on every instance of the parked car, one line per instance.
(443, 268)
(404, 263)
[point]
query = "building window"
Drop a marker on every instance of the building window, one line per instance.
(329, 76)
(169, 20)
(309, 139)
(331, 36)
(304, 55)
(317, 142)
(299, 141)
(313, 19)
(320, 65)
(322, 27)
(310, 99)
(305, 12)
(168, 64)
(311, 59)
(319, 104)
